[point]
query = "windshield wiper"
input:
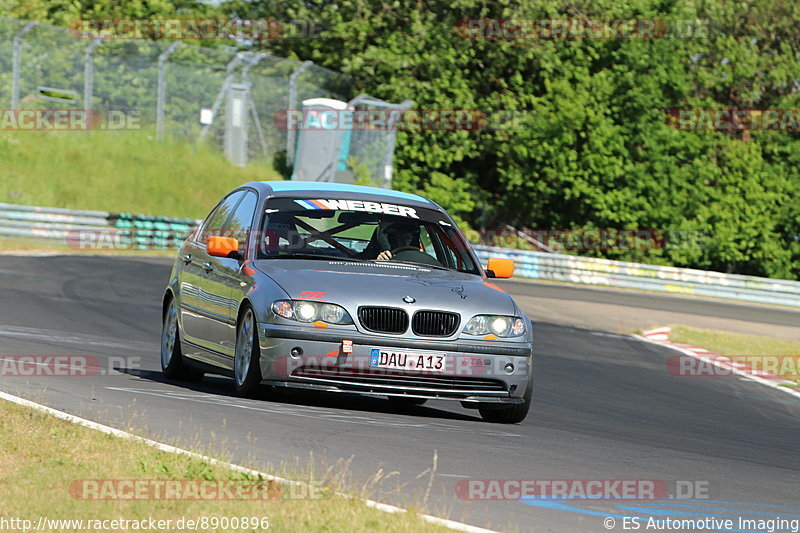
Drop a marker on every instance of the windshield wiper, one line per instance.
(315, 256)
(414, 263)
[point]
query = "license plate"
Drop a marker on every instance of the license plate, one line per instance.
(406, 361)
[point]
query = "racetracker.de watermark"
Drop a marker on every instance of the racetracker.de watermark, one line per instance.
(192, 490)
(559, 240)
(401, 120)
(344, 363)
(734, 119)
(123, 239)
(765, 366)
(570, 29)
(68, 120)
(579, 489)
(590, 239)
(58, 366)
(200, 29)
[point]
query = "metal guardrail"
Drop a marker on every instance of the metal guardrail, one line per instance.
(592, 271)
(99, 229)
(94, 229)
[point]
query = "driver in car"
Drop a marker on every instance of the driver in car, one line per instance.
(401, 241)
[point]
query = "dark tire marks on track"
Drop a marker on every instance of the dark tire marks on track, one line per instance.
(604, 405)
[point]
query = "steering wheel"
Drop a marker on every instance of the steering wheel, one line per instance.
(403, 249)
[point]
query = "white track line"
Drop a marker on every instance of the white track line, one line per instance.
(745, 375)
(451, 524)
(31, 254)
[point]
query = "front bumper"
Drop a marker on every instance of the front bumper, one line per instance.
(474, 371)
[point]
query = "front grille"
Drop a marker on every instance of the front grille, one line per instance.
(383, 319)
(435, 323)
(392, 381)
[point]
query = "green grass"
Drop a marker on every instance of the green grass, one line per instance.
(42, 458)
(736, 344)
(56, 246)
(122, 171)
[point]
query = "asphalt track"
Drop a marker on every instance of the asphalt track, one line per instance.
(604, 407)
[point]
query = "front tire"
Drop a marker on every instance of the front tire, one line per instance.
(172, 364)
(511, 414)
(246, 359)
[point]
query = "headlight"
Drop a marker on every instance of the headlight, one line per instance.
(333, 314)
(305, 311)
(502, 326)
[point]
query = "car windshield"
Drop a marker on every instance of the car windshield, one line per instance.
(359, 230)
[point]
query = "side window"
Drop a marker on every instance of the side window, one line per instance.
(242, 220)
(217, 220)
(448, 257)
(444, 248)
(427, 242)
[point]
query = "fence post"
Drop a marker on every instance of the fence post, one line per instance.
(16, 43)
(253, 61)
(161, 92)
(291, 135)
(388, 155)
(88, 75)
(236, 113)
(251, 104)
(225, 85)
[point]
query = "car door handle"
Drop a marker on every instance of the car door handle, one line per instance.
(186, 258)
(208, 267)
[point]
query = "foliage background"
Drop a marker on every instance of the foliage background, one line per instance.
(598, 151)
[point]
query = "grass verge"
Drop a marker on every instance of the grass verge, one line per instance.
(122, 171)
(44, 462)
(737, 344)
(19, 245)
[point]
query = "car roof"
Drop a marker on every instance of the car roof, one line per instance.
(294, 188)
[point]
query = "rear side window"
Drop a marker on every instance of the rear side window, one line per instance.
(242, 220)
(215, 223)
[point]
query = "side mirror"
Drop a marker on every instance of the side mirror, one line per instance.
(223, 247)
(498, 267)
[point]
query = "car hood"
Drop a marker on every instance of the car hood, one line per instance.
(353, 284)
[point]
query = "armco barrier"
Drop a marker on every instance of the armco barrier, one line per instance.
(561, 267)
(70, 227)
(145, 232)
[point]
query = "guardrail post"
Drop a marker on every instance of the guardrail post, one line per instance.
(161, 92)
(16, 53)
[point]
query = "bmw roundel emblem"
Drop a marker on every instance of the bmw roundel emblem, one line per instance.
(409, 299)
